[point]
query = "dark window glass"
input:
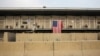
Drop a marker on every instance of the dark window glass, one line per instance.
(85, 26)
(98, 22)
(24, 22)
(22, 26)
(6, 27)
(70, 26)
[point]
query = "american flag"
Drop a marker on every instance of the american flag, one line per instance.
(57, 26)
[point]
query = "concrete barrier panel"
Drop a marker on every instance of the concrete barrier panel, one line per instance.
(91, 36)
(11, 49)
(21, 37)
(67, 49)
(66, 37)
(5, 39)
(73, 36)
(56, 37)
(52, 37)
(24, 37)
(91, 48)
(46, 37)
(39, 49)
(35, 37)
(79, 36)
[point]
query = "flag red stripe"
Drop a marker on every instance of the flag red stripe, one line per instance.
(58, 28)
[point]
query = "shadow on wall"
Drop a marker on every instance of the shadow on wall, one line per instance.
(11, 37)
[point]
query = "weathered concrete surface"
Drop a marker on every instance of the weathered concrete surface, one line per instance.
(24, 37)
(50, 48)
(91, 48)
(11, 49)
(38, 49)
(67, 49)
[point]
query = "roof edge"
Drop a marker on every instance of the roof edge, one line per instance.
(47, 9)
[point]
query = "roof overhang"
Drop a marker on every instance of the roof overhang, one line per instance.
(49, 11)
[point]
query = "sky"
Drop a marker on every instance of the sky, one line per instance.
(51, 3)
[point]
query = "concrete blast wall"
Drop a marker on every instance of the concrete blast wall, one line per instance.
(69, 48)
(24, 37)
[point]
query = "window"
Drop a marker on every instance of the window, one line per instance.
(7, 27)
(24, 22)
(98, 27)
(98, 22)
(85, 26)
(22, 26)
(16, 23)
(70, 26)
